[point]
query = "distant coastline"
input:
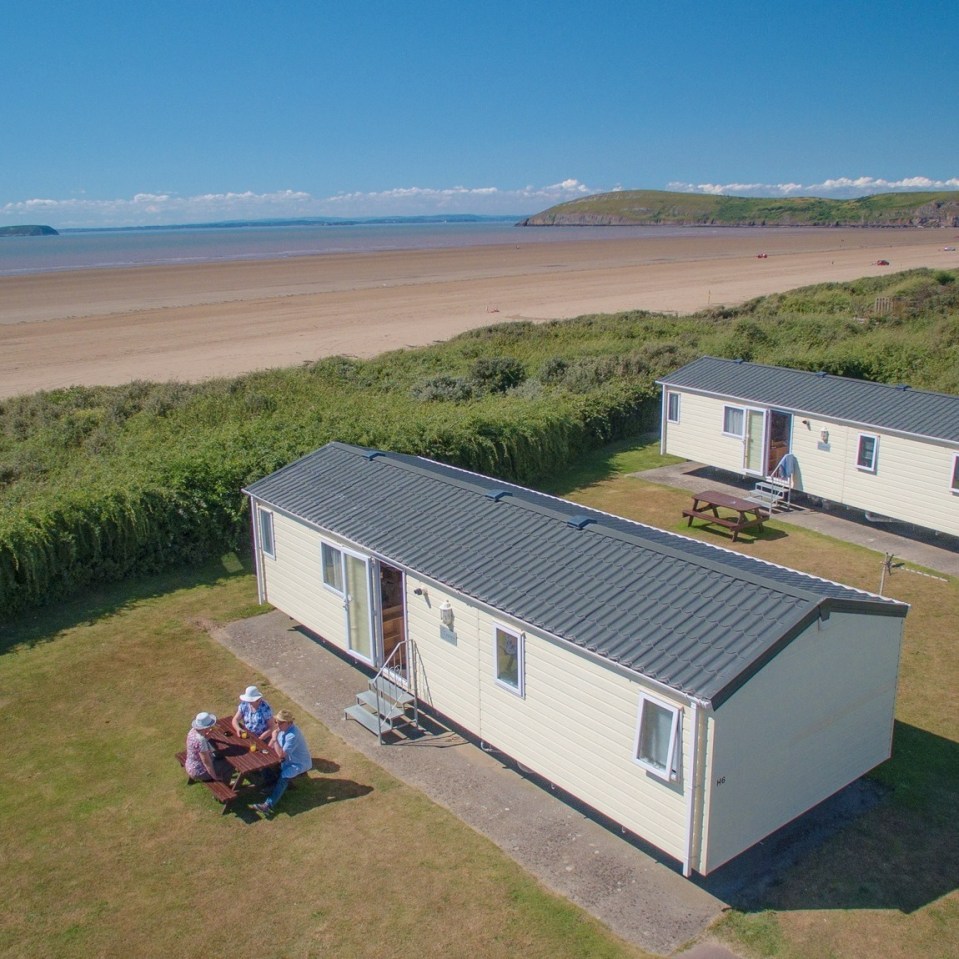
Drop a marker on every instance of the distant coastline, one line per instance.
(28, 230)
(300, 221)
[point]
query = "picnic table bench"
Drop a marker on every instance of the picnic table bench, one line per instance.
(224, 792)
(706, 506)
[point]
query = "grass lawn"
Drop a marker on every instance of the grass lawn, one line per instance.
(109, 853)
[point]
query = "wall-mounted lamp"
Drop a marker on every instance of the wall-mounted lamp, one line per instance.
(446, 614)
(806, 423)
(824, 435)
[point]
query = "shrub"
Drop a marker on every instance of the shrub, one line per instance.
(497, 374)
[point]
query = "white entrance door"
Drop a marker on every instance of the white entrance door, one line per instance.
(754, 449)
(358, 603)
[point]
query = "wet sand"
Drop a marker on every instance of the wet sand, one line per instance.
(199, 321)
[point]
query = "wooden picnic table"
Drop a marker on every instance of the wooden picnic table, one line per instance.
(239, 752)
(242, 758)
(706, 506)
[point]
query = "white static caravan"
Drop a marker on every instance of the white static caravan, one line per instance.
(886, 450)
(699, 698)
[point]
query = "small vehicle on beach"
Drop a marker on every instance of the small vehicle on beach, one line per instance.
(762, 256)
(882, 263)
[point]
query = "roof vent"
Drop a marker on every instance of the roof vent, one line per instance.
(579, 522)
(372, 454)
(738, 359)
(903, 387)
(822, 374)
(497, 494)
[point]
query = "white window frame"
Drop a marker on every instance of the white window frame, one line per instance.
(669, 772)
(520, 639)
(869, 467)
(265, 532)
(672, 407)
(336, 566)
(741, 410)
(955, 473)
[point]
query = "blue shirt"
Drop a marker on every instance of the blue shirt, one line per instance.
(298, 759)
(256, 720)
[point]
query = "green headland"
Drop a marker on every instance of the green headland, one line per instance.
(660, 208)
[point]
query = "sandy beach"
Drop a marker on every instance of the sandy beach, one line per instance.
(199, 321)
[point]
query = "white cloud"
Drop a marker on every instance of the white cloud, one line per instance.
(164, 208)
(840, 187)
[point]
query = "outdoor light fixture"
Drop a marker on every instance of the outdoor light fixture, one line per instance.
(824, 435)
(446, 614)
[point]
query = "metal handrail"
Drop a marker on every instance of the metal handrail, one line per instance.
(410, 687)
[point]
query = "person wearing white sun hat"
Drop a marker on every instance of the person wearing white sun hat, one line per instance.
(200, 761)
(254, 715)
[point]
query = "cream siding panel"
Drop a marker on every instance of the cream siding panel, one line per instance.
(699, 435)
(446, 660)
(814, 719)
(576, 726)
(294, 580)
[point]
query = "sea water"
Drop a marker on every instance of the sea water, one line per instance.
(100, 249)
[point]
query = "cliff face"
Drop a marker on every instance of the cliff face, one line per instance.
(942, 213)
(28, 231)
(658, 208)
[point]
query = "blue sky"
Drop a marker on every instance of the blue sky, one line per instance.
(127, 113)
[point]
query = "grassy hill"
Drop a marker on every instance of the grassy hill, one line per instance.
(657, 207)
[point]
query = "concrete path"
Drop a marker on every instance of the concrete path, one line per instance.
(642, 900)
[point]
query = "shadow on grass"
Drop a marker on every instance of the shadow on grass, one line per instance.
(598, 465)
(885, 842)
(305, 795)
(36, 626)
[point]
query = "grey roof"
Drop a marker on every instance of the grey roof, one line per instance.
(877, 405)
(691, 616)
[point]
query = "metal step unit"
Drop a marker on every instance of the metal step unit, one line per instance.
(384, 707)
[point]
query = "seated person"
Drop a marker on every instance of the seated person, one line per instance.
(201, 761)
(253, 715)
(288, 741)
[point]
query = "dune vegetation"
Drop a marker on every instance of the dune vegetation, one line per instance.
(98, 484)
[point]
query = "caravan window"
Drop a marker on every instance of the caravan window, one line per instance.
(672, 407)
(332, 560)
(265, 519)
(734, 418)
(955, 472)
(866, 454)
(508, 654)
(657, 737)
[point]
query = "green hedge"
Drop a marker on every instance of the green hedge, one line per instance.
(192, 508)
